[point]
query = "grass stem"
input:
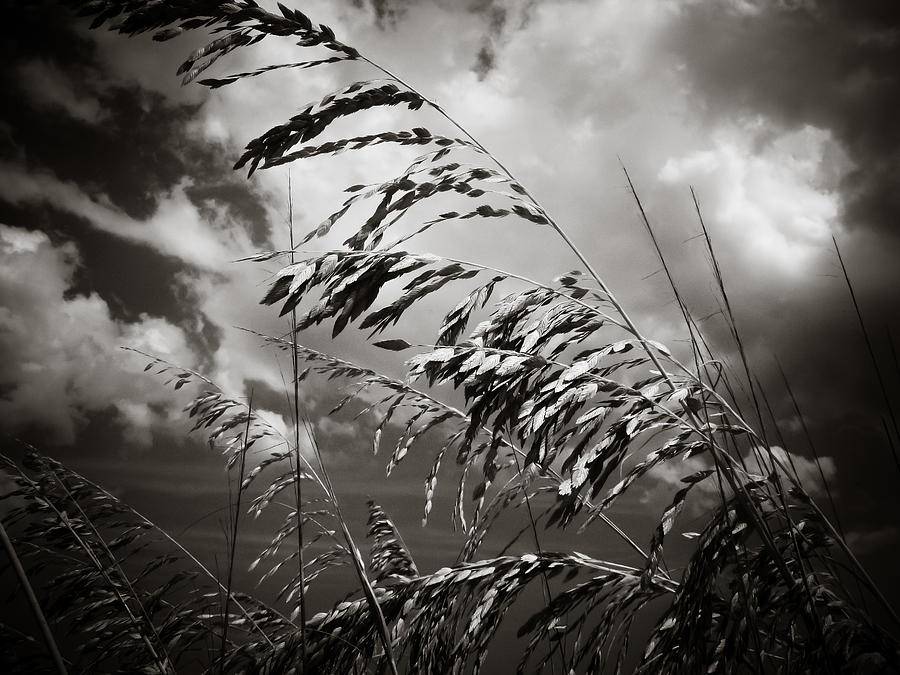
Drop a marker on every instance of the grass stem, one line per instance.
(298, 476)
(226, 620)
(33, 604)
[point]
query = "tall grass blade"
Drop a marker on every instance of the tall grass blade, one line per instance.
(889, 409)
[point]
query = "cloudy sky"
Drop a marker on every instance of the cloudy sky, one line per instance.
(120, 217)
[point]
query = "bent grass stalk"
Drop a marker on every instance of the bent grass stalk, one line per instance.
(33, 603)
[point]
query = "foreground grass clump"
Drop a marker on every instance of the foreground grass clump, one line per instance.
(559, 388)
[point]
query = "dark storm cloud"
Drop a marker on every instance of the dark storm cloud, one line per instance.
(387, 12)
(159, 153)
(64, 108)
(829, 65)
(826, 63)
(497, 17)
(484, 60)
(501, 21)
(106, 261)
(94, 162)
(131, 174)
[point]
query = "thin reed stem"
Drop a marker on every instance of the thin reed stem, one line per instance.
(812, 446)
(545, 586)
(298, 477)
(33, 604)
(355, 556)
(234, 534)
(871, 351)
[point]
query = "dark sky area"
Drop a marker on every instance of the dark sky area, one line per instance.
(120, 219)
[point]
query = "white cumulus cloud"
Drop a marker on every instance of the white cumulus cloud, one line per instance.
(62, 356)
